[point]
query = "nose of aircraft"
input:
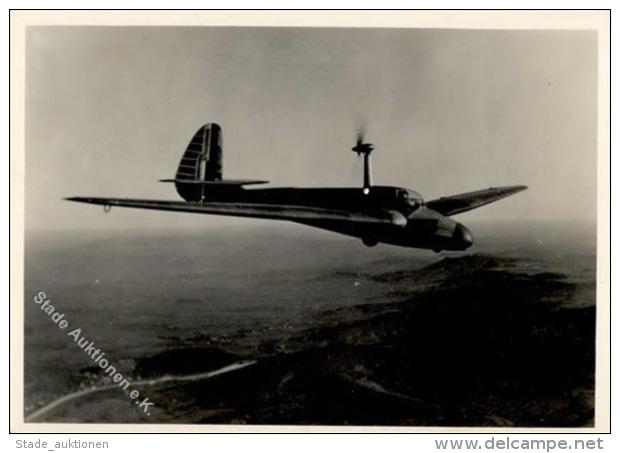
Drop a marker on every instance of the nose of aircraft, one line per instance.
(463, 236)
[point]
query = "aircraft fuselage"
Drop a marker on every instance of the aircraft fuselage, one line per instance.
(425, 228)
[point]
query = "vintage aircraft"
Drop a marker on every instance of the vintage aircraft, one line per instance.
(392, 215)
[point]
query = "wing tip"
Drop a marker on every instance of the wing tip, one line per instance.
(509, 190)
(86, 200)
(519, 188)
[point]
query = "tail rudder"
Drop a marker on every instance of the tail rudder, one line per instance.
(201, 161)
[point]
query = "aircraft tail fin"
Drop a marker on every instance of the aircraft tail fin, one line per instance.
(201, 161)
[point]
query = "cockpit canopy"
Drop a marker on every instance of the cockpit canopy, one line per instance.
(399, 198)
(410, 197)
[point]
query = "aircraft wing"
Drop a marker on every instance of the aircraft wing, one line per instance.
(255, 210)
(464, 202)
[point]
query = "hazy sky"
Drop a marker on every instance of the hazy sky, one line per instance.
(109, 110)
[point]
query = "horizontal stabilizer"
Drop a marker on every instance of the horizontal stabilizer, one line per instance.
(219, 182)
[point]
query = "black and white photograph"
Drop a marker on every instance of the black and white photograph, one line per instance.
(314, 226)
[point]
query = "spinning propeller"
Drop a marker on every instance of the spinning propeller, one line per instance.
(361, 147)
(364, 149)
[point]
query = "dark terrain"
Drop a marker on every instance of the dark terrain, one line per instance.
(469, 340)
(486, 348)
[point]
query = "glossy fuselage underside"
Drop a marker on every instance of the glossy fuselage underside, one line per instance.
(425, 228)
